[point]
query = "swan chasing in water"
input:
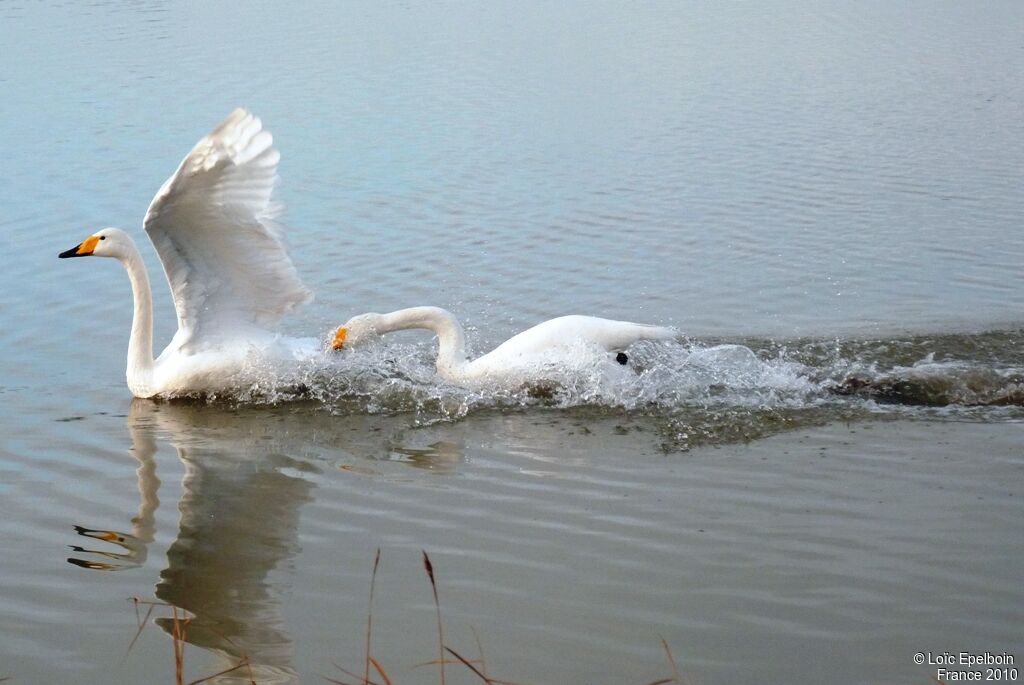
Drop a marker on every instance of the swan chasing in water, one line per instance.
(536, 354)
(212, 224)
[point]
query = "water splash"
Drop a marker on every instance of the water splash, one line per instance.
(704, 386)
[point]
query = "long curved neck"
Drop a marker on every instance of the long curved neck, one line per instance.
(140, 344)
(451, 352)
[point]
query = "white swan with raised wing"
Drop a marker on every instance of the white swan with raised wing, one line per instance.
(212, 224)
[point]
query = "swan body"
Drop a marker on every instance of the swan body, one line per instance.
(212, 224)
(537, 354)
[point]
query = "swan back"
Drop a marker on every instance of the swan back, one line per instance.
(212, 224)
(567, 331)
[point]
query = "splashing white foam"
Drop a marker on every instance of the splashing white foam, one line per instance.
(686, 383)
(398, 377)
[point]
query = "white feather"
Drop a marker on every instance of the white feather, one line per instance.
(536, 354)
(226, 262)
(212, 226)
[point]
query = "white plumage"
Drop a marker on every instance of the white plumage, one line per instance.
(537, 354)
(225, 259)
(231, 278)
(212, 225)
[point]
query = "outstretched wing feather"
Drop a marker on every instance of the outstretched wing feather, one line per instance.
(212, 224)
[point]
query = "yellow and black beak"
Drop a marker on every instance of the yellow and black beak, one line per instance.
(83, 249)
(339, 338)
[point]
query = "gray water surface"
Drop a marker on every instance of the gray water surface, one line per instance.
(833, 188)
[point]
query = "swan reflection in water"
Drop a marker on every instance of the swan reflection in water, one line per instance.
(238, 518)
(239, 514)
(136, 543)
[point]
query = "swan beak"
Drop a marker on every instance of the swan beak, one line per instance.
(83, 249)
(339, 338)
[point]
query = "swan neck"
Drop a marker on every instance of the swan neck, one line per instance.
(451, 340)
(140, 344)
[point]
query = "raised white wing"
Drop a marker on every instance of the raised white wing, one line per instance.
(212, 225)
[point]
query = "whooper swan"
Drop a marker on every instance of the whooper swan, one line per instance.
(225, 259)
(536, 354)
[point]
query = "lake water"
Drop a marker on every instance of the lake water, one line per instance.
(824, 480)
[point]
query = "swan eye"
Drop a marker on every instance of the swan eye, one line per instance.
(621, 358)
(103, 237)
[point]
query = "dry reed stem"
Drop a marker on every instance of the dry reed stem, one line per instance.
(369, 619)
(437, 605)
(676, 678)
(240, 664)
(347, 672)
(481, 672)
(671, 660)
(178, 636)
(434, 662)
(178, 630)
(488, 680)
(381, 671)
(335, 682)
(339, 682)
(480, 649)
(469, 665)
(142, 622)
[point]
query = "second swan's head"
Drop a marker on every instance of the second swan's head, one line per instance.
(356, 330)
(110, 242)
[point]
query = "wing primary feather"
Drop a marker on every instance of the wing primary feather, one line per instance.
(213, 226)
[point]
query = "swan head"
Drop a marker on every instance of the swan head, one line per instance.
(110, 242)
(356, 330)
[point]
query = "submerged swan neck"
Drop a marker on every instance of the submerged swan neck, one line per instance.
(451, 353)
(140, 344)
